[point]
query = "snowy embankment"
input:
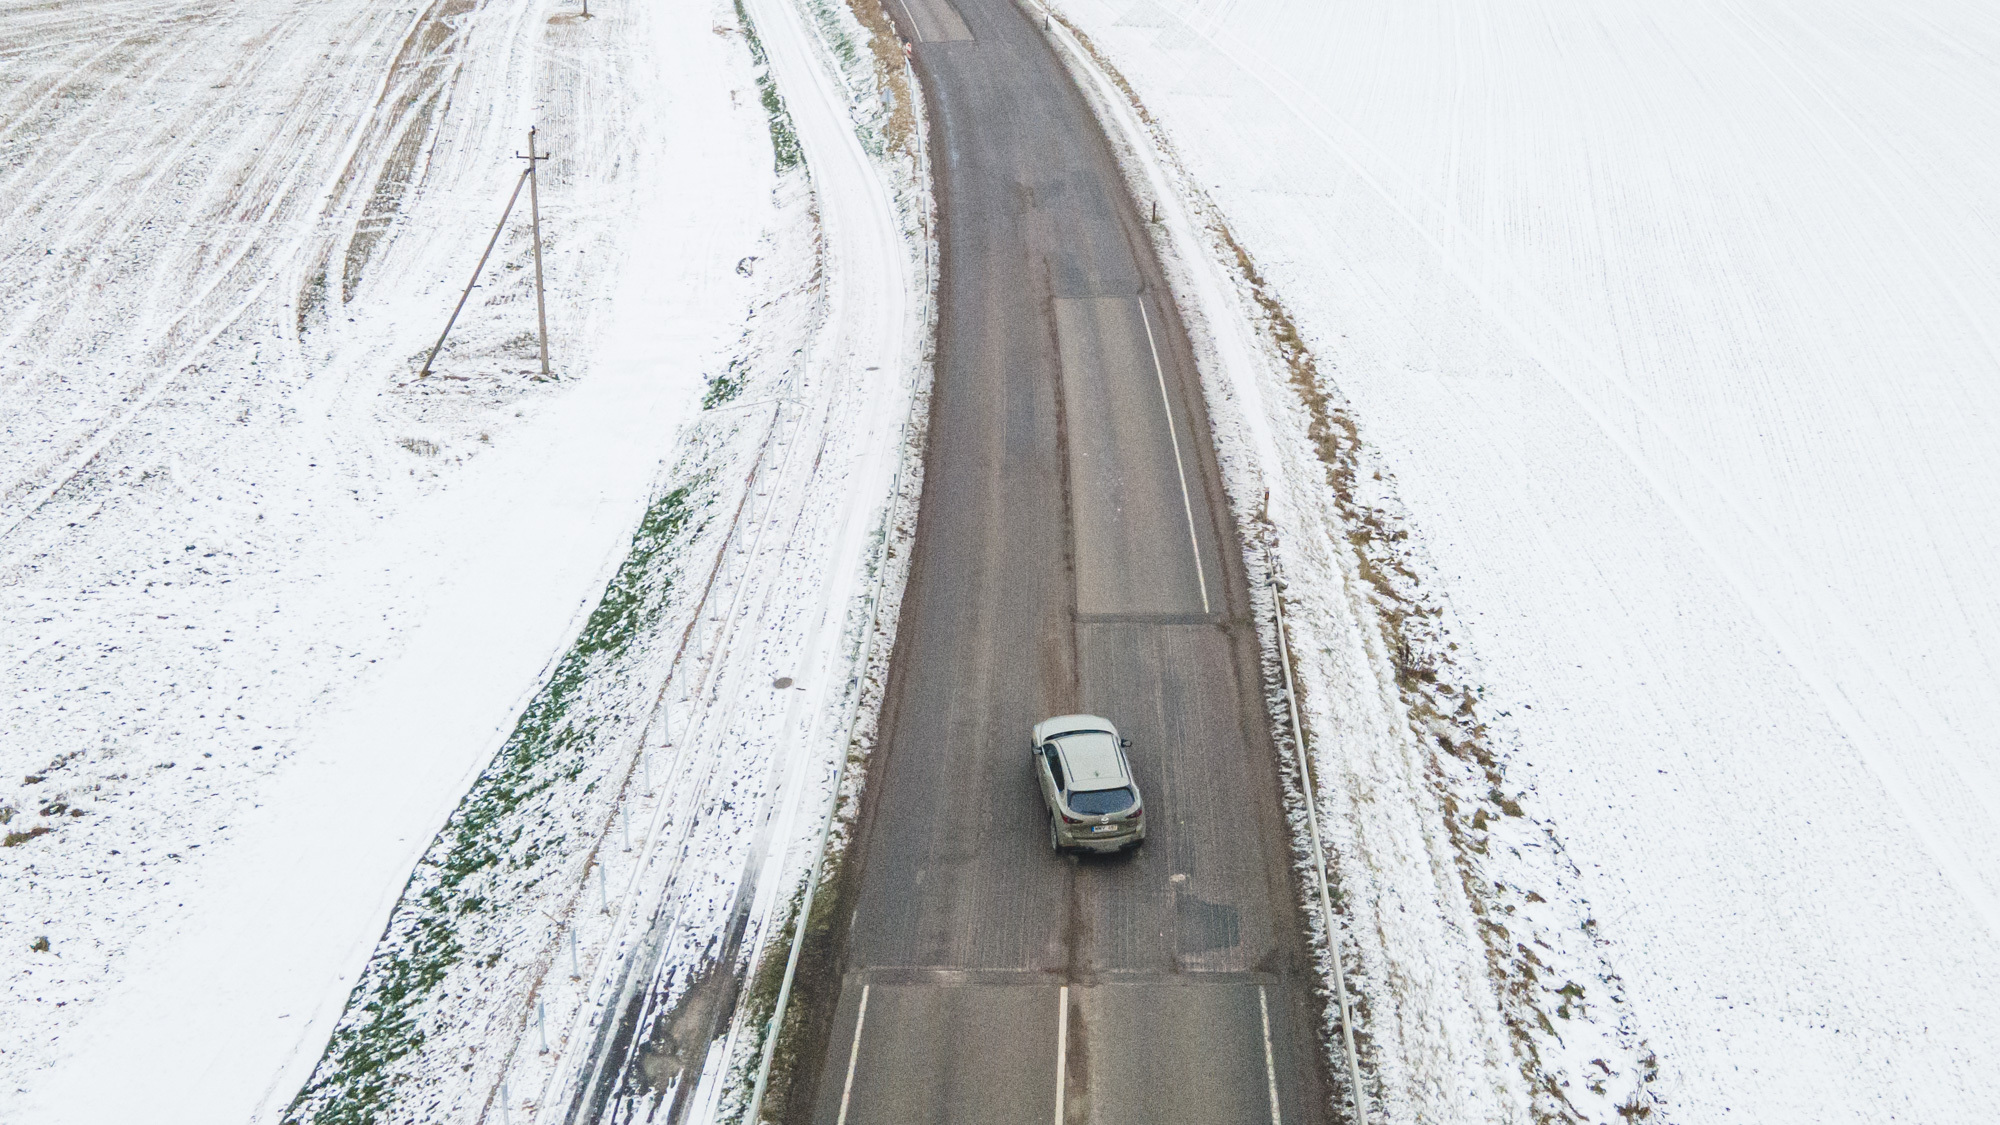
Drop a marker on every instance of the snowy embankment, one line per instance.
(1644, 589)
(576, 939)
(270, 601)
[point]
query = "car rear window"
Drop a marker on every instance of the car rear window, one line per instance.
(1099, 802)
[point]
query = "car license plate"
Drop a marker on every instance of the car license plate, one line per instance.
(1105, 828)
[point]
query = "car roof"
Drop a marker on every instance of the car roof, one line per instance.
(1091, 761)
(1065, 724)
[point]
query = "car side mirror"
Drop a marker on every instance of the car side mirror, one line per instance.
(1125, 742)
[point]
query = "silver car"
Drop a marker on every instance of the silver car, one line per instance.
(1093, 802)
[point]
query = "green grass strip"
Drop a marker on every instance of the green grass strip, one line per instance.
(510, 821)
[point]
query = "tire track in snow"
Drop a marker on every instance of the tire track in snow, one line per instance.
(867, 318)
(278, 182)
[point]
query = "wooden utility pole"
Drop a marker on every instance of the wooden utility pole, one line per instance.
(535, 208)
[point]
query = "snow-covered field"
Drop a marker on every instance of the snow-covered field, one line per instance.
(579, 932)
(269, 601)
(1671, 330)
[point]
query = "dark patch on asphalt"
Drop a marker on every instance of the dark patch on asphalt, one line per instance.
(1203, 926)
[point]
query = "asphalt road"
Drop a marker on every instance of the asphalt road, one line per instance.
(1074, 553)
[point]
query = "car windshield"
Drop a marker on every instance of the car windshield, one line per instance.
(1099, 802)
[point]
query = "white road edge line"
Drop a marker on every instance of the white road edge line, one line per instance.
(1270, 1066)
(854, 1055)
(1173, 434)
(1062, 1049)
(916, 32)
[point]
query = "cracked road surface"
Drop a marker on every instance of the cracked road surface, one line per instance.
(1074, 553)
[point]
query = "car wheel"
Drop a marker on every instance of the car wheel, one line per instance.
(1055, 841)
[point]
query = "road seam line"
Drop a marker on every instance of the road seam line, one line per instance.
(1173, 434)
(854, 1055)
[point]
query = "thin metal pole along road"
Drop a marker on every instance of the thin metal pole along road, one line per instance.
(1310, 791)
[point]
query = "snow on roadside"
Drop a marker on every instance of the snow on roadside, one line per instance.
(270, 602)
(862, 123)
(579, 932)
(475, 953)
(1667, 330)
